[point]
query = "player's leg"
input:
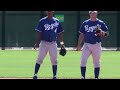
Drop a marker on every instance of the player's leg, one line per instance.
(43, 49)
(85, 54)
(96, 54)
(53, 58)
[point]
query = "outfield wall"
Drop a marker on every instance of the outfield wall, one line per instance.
(20, 25)
(0, 28)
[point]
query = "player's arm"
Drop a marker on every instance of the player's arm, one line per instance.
(60, 37)
(80, 39)
(62, 50)
(38, 39)
(105, 32)
(81, 36)
(38, 30)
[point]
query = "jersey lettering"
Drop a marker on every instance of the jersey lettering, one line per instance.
(51, 27)
(92, 28)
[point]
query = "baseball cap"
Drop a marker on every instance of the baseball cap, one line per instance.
(93, 11)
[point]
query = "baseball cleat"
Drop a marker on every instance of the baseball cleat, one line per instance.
(96, 78)
(34, 77)
(54, 78)
(83, 77)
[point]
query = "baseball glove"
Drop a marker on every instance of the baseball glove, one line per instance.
(99, 32)
(62, 51)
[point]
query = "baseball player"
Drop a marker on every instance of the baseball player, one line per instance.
(92, 42)
(47, 30)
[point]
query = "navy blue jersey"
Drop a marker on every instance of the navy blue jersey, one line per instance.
(88, 28)
(49, 29)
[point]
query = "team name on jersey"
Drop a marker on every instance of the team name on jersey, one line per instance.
(51, 26)
(92, 28)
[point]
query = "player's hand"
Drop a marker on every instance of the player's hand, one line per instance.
(78, 48)
(63, 46)
(36, 46)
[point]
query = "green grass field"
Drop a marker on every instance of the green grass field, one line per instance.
(20, 64)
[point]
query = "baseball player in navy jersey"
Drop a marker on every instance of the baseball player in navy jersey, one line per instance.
(47, 30)
(92, 42)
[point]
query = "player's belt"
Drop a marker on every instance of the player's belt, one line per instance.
(47, 42)
(93, 43)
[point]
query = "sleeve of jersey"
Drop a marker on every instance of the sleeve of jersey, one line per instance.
(39, 27)
(104, 27)
(60, 29)
(82, 29)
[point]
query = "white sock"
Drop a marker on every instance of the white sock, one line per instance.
(35, 74)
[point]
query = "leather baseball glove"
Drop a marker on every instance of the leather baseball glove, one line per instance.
(100, 33)
(62, 51)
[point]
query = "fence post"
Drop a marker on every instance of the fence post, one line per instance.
(3, 30)
(78, 25)
(118, 32)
